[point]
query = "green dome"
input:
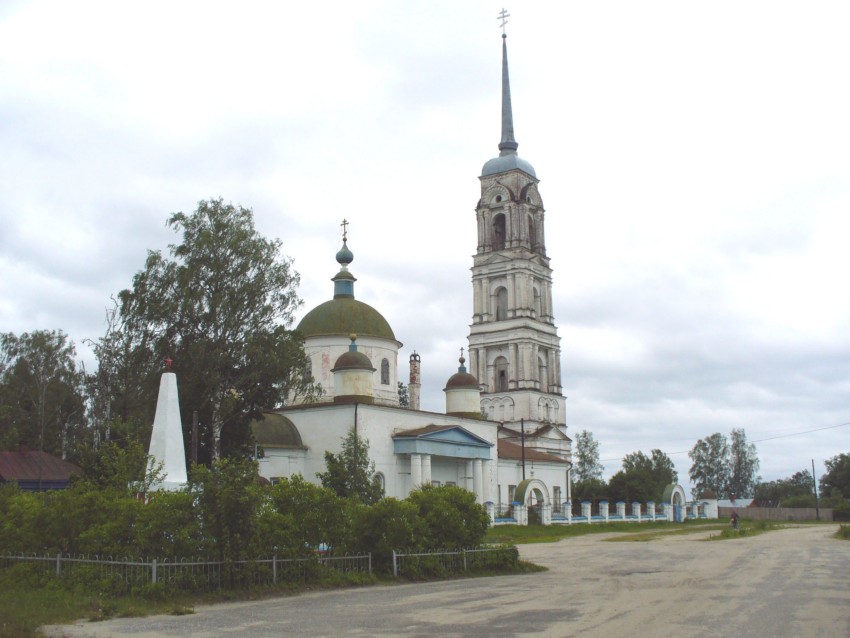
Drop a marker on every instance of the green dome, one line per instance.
(343, 316)
(276, 431)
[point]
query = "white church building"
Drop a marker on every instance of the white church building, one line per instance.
(503, 433)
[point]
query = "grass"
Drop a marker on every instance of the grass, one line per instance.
(642, 537)
(843, 532)
(29, 600)
(25, 606)
(551, 533)
(747, 528)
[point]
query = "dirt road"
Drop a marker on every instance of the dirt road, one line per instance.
(792, 582)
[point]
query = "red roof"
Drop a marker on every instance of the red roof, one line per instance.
(508, 450)
(34, 466)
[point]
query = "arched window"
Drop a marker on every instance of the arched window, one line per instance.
(309, 368)
(500, 370)
(501, 304)
(385, 372)
(499, 232)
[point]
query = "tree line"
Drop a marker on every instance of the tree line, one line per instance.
(219, 304)
(722, 467)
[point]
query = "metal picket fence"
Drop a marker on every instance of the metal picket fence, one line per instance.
(438, 563)
(190, 574)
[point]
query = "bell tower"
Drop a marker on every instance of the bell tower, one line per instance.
(514, 348)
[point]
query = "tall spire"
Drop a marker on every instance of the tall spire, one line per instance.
(508, 145)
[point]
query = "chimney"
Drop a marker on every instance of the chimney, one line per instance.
(414, 387)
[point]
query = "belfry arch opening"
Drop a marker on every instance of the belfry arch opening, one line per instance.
(501, 304)
(500, 375)
(499, 226)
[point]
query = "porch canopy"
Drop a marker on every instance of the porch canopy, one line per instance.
(442, 440)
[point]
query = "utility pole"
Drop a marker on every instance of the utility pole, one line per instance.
(522, 438)
(815, 485)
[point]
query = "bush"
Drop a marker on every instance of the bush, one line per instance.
(452, 517)
(388, 525)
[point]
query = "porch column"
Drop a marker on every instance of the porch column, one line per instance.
(478, 480)
(415, 471)
(426, 469)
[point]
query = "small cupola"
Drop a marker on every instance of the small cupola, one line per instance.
(463, 393)
(352, 375)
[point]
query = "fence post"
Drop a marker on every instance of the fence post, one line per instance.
(153, 571)
(395, 565)
(463, 551)
(58, 564)
(370, 563)
(274, 569)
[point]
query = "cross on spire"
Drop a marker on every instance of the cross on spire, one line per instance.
(503, 16)
(344, 225)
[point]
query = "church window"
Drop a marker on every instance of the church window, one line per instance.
(498, 198)
(501, 304)
(532, 239)
(381, 480)
(499, 232)
(435, 483)
(385, 372)
(451, 484)
(556, 498)
(537, 304)
(501, 372)
(511, 493)
(309, 368)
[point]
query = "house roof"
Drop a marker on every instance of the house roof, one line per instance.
(35, 466)
(508, 450)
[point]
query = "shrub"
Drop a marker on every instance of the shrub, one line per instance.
(452, 517)
(388, 525)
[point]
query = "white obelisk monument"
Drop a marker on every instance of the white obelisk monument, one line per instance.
(167, 439)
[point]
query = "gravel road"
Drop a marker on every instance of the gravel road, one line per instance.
(791, 582)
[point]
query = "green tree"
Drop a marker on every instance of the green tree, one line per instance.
(351, 473)
(41, 392)
(710, 465)
(312, 517)
(643, 478)
(586, 463)
(228, 499)
(451, 516)
(403, 396)
(125, 467)
(591, 489)
(221, 307)
(390, 524)
(836, 481)
(743, 465)
(799, 486)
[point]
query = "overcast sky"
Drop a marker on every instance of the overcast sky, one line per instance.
(694, 161)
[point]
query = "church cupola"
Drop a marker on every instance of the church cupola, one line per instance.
(327, 328)
(353, 376)
(463, 394)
